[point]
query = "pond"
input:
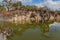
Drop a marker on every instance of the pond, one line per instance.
(35, 31)
(1, 19)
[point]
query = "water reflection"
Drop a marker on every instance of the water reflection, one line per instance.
(44, 28)
(55, 31)
(35, 31)
(31, 32)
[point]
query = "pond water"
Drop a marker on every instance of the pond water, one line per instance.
(1, 19)
(36, 31)
(43, 32)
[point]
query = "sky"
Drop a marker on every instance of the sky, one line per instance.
(32, 2)
(51, 4)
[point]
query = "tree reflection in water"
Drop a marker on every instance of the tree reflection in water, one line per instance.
(19, 29)
(45, 29)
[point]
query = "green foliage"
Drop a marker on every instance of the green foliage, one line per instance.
(2, 8)
(17, 5)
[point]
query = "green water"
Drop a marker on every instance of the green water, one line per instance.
(35, 31)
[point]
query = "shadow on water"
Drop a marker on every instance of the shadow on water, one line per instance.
(34, 31)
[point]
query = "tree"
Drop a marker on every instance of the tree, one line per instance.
(33, 7)
(7, 4)
(2, 8)
(12, 5)
(17, 5)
